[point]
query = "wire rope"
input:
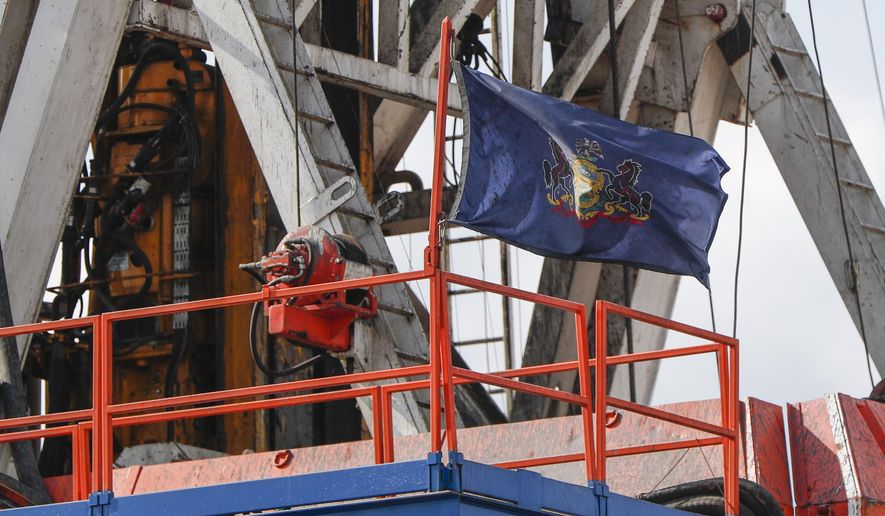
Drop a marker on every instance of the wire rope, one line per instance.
(297, 123)
(737, 265)
(851, 263)
(616, 112)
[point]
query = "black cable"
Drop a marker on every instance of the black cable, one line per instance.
(297, 124)
(851, 264)
(631, 371)
(613, 57)
(705, 497)
(616, 112)
(737, 265)
(253, 349)
(686, 94)
(149, 50)
(687, 102)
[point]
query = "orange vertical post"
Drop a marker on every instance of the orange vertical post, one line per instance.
(732, 493)
(106, 451)
(447, 376)
(586, 391)
(387, 412)
(601, 382)
(437, 330)
(77, 478)
(378, 424)
(435, 376)
(97, 400)
(442, 104)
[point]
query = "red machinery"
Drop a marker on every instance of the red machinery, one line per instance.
(308, 256)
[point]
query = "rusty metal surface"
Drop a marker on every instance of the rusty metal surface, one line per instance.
(838, 455)
(499, 443)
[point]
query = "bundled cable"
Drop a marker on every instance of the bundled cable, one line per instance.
(705, 497)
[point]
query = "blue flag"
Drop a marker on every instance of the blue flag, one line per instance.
(564, 181)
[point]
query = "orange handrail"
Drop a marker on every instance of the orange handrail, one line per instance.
(106, 415)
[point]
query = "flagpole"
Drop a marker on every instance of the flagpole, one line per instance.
(442, 104)
(440, 355)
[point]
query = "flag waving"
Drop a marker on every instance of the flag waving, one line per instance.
(564, 181)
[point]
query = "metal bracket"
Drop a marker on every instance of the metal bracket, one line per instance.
(100, 503)
(329, 200)
(437, 471)
(389, 206)
(600, 489)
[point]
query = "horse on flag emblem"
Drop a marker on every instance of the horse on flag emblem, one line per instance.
(580, 187)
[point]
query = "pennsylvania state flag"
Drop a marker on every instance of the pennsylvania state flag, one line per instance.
(564, 181)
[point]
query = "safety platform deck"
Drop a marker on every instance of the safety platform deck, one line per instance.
(415, 487)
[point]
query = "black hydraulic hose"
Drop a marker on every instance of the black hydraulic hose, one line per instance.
(253, 348)
(709, 505)
(99, 268)
(155, 47)
(754, 499)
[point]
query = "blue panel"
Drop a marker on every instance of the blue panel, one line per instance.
(489, 481)
(528, 489)
(55, 509)
(462, 488)
(441, 504)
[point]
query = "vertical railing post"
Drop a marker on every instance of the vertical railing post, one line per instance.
(387, 412)
(732, 482)
(435, 376)
(97, 400)
(601, 382)
(448, 384)
(378, 429)
(77, 478)
(106, 451)
(586, 391)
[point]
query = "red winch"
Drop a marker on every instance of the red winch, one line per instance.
(309, 256)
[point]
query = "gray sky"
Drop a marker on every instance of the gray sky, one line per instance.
(797, 340)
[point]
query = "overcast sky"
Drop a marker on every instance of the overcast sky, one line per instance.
(797, 339)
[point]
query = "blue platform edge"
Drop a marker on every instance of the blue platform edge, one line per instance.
(459, 487)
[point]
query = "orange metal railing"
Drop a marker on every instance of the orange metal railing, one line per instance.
(439, 375)
(106, 415)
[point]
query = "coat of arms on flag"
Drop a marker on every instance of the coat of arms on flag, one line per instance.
(581, 187)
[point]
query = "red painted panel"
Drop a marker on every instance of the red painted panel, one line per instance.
(838, 455)
(766, 450)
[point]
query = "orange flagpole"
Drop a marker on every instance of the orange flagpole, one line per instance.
(432, 262)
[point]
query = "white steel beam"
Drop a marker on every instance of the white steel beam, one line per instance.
(528, 43)
(395, 123)
(633, 45)
(172, 22)
(393, 33)
(52, 111)
(16, 17)
(378, 79)
(584, 50)
(302, 10)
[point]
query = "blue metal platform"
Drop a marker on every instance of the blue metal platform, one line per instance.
(460, 487)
